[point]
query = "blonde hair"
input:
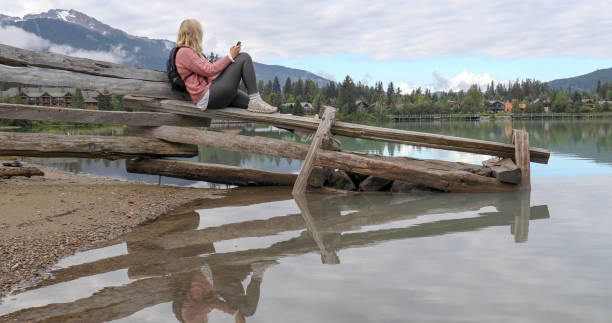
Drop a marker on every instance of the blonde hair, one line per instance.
(190, 35)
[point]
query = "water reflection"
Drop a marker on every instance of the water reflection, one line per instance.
(178, 258)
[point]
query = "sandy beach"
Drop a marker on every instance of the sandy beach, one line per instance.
(43, 219)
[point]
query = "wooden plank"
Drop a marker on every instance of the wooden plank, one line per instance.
(520, 139)
(504, 169)
(214, 173)
(41, 113)
(414, 138)
(413, 171)
(28, 171)
(106, 85)
(52, 145)
(302, 180)
(14, 56)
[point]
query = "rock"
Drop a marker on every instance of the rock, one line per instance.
(374, 184)
(357, 178)
(340, 180)
(15, 267)
(319, 176)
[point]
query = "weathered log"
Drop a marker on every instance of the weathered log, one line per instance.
(106, 85)
(520, 139)
(504, 169)
(27, 171)
(40, 113)
(411, 170)
(324, 126)
(52, 145)
(14, 56)
(214, 173)
(340, 128)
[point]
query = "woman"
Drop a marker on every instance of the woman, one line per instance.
(215, 85)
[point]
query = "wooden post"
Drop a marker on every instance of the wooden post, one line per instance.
(520, 139)
(302, 181)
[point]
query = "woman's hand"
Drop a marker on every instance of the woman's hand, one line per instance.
(234, 51)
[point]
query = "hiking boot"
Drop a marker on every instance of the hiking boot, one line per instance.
(257, 104)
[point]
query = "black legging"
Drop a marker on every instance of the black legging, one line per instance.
(224, 89)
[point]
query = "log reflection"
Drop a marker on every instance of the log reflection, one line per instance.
(175, 262)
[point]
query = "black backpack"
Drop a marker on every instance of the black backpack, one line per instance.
(176, 82)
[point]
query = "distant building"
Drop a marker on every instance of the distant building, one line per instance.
(454, 105)
(589, 103)
(51, 96)
(496, 106)
(307, 106)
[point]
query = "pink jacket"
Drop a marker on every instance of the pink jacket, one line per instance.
(188, 61)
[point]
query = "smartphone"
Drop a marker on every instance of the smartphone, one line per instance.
(239, 43)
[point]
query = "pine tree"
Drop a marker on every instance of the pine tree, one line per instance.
(390, 92)
(287, 88)
(316, 103)
(78, 101)
(116, 102)
(104, 102)
(276, 88)
(298, 110)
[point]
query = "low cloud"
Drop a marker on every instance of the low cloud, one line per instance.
(463, 81)
(326, 75)
(17, 37)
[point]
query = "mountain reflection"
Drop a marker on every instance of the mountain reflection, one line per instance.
(176, 259)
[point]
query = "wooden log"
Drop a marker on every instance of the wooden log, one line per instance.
(27, 171)
(14, 56)
(52, 145)
(504, 169)
(40, 113)
(106, 85)
(414, 138)
(520, 139)
(214, 173)
(302, 180)
(384, 167)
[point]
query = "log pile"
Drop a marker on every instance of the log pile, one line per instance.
(159, 132)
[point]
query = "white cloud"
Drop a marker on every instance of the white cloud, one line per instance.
(379, 30)
(463, 81)
(14, 36)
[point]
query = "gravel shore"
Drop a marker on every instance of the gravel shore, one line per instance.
(43, 219)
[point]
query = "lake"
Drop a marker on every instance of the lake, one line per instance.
(258, 255)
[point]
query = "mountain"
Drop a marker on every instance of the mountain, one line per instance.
(586, 82)
(82, 32)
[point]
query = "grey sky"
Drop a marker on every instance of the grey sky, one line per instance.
(382, 30)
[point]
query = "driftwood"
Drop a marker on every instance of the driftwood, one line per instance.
(406, 169)
(504, 169)
(41, 113)
(107, 85)
(14, 56)
(520, 139)
(214, 173)
(339, 128)
(51, 145)
(27, 171)
(302, 181)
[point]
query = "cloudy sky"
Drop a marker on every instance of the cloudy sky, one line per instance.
(436, 44)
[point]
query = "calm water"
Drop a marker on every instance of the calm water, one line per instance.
(261, 256)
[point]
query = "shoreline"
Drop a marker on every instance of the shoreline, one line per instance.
(47, 218)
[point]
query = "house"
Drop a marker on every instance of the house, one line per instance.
(361, 104)
(508, 106)
(51, 96)
(589, 103)
(546, 102)
(307, 106)
(454, 105)
(496, 106)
